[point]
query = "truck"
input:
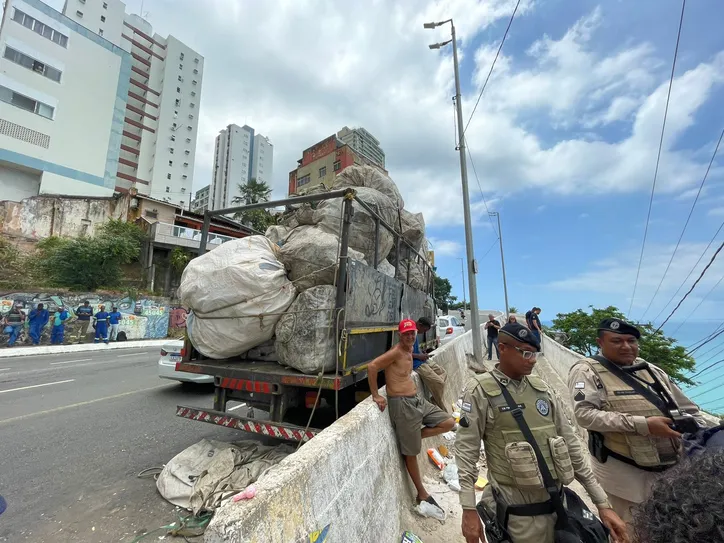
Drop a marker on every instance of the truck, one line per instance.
(369, 304)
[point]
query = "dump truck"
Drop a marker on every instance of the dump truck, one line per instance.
(287, 404)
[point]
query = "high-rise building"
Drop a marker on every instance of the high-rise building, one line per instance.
(201, 201)
(239, 155)
(63, 93)
(363, 143)
(160, 123)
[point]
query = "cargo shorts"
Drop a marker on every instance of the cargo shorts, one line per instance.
(408, 415)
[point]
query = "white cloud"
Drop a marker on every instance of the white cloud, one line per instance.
(445, 247)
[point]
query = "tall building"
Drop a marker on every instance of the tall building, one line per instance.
(201, 201)
(239, 155)
(63, 94)
(363, 143)
(322, 162)
(160, 124)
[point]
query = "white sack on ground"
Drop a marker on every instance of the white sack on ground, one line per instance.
(362, 230)
(276, 233)
(305, 335)
(367, 176)
(192, 477)
(311, 256)
(227, 288)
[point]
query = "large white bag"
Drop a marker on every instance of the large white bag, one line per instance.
(367, 176)
(228, 289)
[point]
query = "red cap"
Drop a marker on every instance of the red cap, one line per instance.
(407, 325)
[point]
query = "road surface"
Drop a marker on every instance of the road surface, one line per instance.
(75, 430)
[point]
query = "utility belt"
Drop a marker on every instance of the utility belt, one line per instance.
(601, 453)
(496, 525)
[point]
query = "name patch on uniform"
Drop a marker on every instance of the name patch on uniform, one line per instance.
(504, 408)
(579, 396)
(467, 407)
(625, 393)
(580, 384)
(542, 406)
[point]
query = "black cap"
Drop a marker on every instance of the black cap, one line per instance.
(520, 333)
(618, 326)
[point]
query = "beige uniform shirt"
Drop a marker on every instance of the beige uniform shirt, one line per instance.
(467, 444)
(589, 396)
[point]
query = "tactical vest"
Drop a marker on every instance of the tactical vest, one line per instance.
(646, 451)
(14, 318)
(510, 457)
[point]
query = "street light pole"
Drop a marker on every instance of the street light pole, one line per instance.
(502, 261)
(472, 264)
(462, 273)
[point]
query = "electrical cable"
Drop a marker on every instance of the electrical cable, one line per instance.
(500, 47)
(485, 203)
(701, 384)
(701, 392)
(686, 224)
(698, 306)
(658, 157)
(713, 364)
(704, 342)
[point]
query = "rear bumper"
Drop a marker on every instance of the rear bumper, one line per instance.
(167, 370)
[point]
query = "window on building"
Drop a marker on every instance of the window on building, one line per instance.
(193, 93)
(191, 116)
(186, 164)
(168, 176)
(196, 71)
(103, 18)
(173, 127)
(150, 214)
(188, 140)
(181, 56)
(187, 152)
(39, 28)
(188, 128)
(28, 104)
(178, 102)
(337, 166)
(170, 162)
(183, 189)
(178, 89)
(100, 32)
(184, 176)
(194, 82)
(105, 5)
(322, 171)
(28, 62)
(180, 78)
(196, 60)
(168, 189)
(303, 180)
(192, 105)
(173, 137)
(180, 66)
(79, 14)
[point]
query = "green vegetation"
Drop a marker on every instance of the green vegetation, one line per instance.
(443, 299)
(581, 328)
(512, 309)
(179, 259)
(254, 192)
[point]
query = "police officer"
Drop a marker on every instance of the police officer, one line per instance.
(631, 442)
(515, 484)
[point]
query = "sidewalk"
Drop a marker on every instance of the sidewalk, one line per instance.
(9, 352)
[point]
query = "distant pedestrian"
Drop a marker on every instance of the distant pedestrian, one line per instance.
(462, 314)
(114, 318)
(13, 324)
(84, 314)
(37, 318)
(512, 319)
(101, 325)
(492, 327)
(58, 332)
(533, 322)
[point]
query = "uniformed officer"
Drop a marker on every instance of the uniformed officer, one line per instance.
(515, 482)
(631, 442)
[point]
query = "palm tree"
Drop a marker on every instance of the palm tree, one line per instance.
(252, 192)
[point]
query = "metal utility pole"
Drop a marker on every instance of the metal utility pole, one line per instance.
(502, 261)
(472, 264)
(462, 272)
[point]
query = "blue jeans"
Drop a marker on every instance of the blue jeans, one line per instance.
(536, 333)
(35, 330)
(493, 341)
(57, 334)
(101, 332)
(15, 333)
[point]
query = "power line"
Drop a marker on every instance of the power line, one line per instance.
(707, 340)
(481, 190)
(658, 157)
(686, 224)
(692, 286)
(713, 364)
(491, 248)
(702, 392)
(697, 306)
(500, 47)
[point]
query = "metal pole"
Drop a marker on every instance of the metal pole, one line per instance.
(502, 261)
(472, 264)
(205, 233)
(462, 272)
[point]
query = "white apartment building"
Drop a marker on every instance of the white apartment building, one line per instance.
(363, 143)
(63, 92)
(160, 125)
(239, 156)
(201, 200)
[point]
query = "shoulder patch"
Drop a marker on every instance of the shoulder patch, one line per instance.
(490, 386)
(537, 383)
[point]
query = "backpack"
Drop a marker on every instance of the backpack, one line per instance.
(121, 336)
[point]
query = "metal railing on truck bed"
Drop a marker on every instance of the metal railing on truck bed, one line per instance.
(368, 306)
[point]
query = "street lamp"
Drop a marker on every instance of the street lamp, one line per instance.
(502, 260)
(472, 264)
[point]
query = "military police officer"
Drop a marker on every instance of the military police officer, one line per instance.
(516, 490)
(632, 443)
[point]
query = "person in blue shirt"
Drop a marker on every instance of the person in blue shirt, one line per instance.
(57, 334)
(13, 324)
(114, 318)
(84, 314)
(37, 320)
(101, 325)
(432, 374)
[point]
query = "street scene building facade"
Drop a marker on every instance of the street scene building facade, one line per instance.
(363, 143)
(200, 202)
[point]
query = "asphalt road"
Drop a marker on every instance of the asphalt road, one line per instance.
(75, 430)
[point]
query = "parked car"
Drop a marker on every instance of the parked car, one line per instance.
(448, 328)
(170, 355)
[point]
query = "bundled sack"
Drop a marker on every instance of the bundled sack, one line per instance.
(386, 268)
(328, 217)
(311, 256)
(276, 234)
(412, 228)
(367, 176)
(227, 289)
(298, 215)
(417, 273)
(305, 335)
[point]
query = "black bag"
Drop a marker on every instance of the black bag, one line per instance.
(121, 336)
(576, 523)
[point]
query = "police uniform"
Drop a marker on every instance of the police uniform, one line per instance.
(603, 403)
(513, 471)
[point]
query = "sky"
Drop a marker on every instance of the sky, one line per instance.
(564, 140)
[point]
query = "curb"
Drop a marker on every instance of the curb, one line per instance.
(79, 348)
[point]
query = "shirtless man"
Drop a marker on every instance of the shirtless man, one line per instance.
(408, 412)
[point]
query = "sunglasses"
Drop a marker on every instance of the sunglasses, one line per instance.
(528, 355)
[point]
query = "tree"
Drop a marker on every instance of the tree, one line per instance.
(254, 192)
(512, 309)
(443, 299)
(581, 328)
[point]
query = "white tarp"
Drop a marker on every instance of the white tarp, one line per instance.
(227, 289)
(367, 176)
(305, 335)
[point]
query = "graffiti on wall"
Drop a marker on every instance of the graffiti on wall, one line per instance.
(177, 317)
(144, 318)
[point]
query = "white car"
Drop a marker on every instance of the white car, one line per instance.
(448, 328)
(170, 355)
